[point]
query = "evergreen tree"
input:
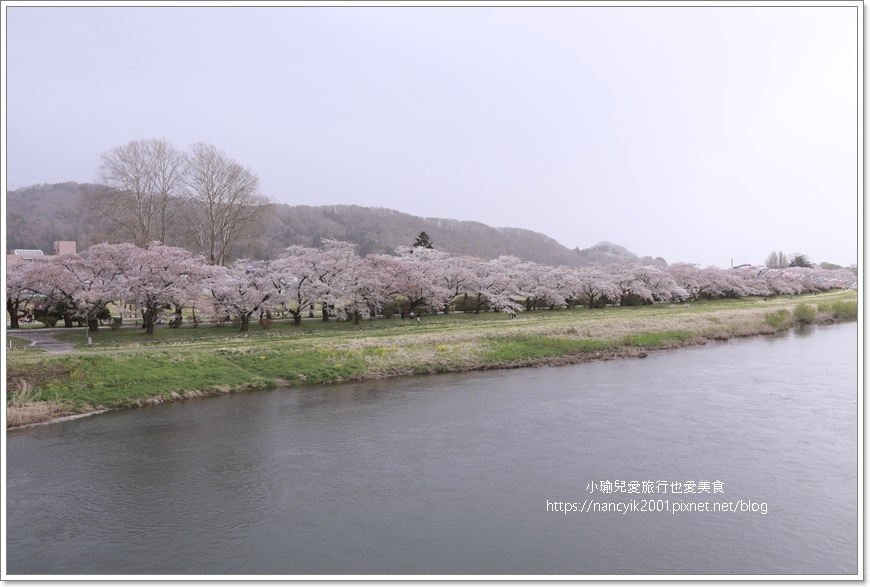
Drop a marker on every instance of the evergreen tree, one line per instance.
(799, 260)
(422, 241)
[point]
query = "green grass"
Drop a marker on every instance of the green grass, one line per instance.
(517, 348)
(21, 346)
(804, 313)
(278, 328)
(844, 309)
(120, 380)
(126, 367)
(297, 365)
(780, 319)
(387, 326)
(657, 339)
(17, 351)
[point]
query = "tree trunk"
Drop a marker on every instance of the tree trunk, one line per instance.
(178, 318)
(148, 321)
(93, 325)
(356, 317)
(324, 310)
(245, 319)
(297, 318)
(12, 308)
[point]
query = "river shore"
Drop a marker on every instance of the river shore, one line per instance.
(124, 370)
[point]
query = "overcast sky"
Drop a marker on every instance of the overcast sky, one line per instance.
(700, 134)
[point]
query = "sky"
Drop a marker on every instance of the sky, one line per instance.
(707, 133)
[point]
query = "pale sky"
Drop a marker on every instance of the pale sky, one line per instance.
(696, 133)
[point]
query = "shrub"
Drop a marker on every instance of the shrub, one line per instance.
(469, 304)
(631, 300)
(804, 313)
(48, 320)
(780, 320)
(845, 310)
(598, 303)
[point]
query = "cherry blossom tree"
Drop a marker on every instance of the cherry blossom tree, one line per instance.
(651, 284)
(83, 284)
(491, 286)
(80, 286)
(162, 276)
(364, 290)
(596, 283)
(556, 286)
(541, 284)
(514, 271)
(334, 259)
(457, 273)
(688, 277)
(297, 280)
(101, 272)
(19, 291)
(718, 283)
(749, 282)
(241, 289)
(486, 276)
(55, 288)
(416, 275)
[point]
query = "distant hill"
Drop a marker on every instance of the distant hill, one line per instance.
(605, 252)
(381, 230)
(39, 215)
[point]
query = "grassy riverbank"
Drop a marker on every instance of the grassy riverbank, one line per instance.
(125, 368)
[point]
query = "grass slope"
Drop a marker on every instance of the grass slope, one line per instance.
(126, 368)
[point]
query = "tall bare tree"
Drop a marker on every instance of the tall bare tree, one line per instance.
(776, 260)
(220, 205)
(141, 180)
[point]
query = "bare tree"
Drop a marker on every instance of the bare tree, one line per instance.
(776, 260)
(220, 205)
(141, 179)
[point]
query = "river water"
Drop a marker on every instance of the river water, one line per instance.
(452, 474)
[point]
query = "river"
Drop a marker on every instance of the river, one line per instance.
(455, 474)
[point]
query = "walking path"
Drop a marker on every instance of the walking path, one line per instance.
(44, 339)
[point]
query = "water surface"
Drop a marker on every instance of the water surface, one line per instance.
(451, 474)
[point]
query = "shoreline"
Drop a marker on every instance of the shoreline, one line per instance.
(619, 350)
(589, 357)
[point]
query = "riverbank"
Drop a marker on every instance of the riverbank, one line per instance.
(121, 371)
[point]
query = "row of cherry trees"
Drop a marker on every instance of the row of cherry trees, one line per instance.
(80, 286)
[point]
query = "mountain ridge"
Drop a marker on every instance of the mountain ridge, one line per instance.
(40, 214)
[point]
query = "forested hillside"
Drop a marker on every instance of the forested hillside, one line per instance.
(39, 215)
